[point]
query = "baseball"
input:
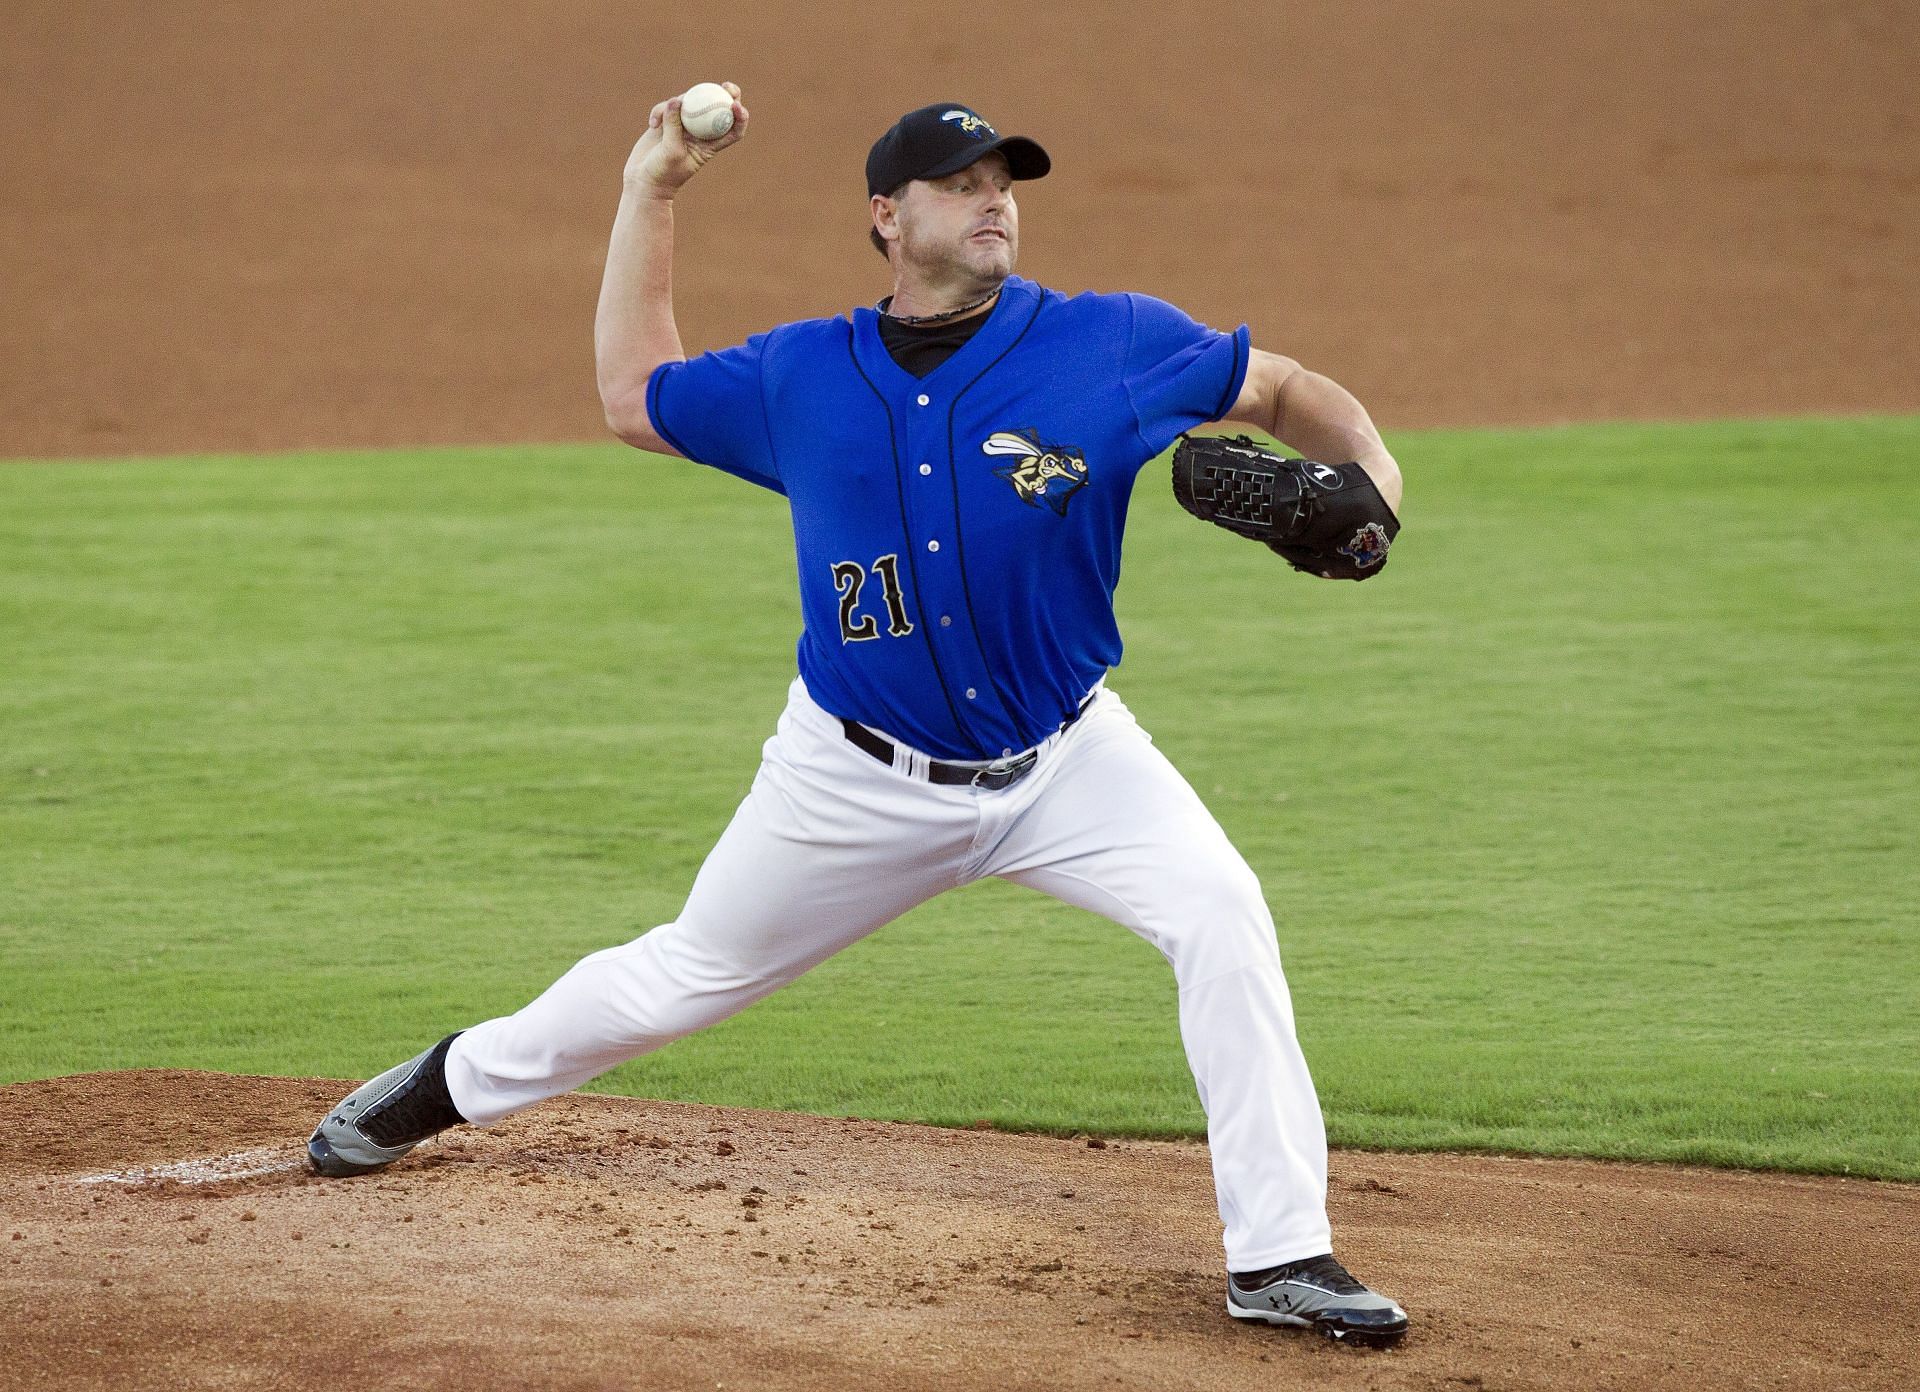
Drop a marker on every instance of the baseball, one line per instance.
(706, 111)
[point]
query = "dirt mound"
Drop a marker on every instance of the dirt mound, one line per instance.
(160, 1229)
(253, 227)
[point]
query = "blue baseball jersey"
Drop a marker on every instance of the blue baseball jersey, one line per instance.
(957, 535)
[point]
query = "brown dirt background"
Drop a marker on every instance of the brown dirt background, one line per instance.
(602, 1242)
(249, 226)
(236, 226)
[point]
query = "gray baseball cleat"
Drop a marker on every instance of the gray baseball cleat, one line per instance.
(380, 1121)
(1317, 1293)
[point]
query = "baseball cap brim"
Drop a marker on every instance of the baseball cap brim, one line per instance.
(1025, 158)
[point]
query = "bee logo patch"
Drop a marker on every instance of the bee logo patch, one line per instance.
(1368, 547)
(975, 126)
(1042, 473)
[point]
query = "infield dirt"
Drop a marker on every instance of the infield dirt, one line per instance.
(610, 1243)
(250, 228)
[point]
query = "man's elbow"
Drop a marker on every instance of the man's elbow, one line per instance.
(624, 423)
(1278, 369)
(627, 418)
(623, 400)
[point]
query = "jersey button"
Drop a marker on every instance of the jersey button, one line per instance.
(971, 693)
(923, 398)
(933, 546)
(926, 468)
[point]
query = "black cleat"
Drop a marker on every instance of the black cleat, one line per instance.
(382, 1120)
(1317, 1293)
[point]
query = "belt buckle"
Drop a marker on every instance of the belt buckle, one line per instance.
(992, 778)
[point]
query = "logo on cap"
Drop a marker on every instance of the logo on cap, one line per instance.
(975, 126)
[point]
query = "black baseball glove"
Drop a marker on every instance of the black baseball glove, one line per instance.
(1324, 519)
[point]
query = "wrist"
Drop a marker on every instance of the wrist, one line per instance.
(647, 189)
(1385, 474)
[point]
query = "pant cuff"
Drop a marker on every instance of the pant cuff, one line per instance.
(1260, 1258)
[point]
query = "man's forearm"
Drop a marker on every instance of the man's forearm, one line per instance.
(1322, 420)
(633, 329)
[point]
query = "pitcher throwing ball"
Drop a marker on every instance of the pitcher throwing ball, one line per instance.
(958, 461)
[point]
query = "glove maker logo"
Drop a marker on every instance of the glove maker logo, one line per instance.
(1044, 473)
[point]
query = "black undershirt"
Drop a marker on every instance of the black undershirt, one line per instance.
(920, 348)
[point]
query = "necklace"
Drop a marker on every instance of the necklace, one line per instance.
(933, 318)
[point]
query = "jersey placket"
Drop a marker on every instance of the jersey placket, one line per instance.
(934, 531)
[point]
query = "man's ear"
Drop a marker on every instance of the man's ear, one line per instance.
(886, 216)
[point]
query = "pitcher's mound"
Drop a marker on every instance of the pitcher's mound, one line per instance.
(160, 1230)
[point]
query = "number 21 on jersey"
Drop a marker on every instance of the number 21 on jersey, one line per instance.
(848, 578)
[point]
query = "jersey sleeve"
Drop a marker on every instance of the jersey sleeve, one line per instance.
(1180, 373)
(712, 410)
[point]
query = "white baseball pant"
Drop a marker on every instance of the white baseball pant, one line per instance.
(831, 843)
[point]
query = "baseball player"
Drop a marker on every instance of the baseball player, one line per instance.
(958, 461)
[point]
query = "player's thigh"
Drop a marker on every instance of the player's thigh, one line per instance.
(828, 846)
(1120, 831)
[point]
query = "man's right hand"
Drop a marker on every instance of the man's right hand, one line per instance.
(666, 157)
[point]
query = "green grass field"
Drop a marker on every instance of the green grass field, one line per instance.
(1590, 827)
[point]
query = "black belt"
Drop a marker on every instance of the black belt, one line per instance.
(992, 777)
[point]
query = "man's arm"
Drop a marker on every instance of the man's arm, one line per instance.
(633, 330)
(1316, 416)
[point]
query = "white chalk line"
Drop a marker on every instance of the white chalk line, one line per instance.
(212, 1169)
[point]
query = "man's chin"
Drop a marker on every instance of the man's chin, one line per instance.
(985, 265)
(991, 263)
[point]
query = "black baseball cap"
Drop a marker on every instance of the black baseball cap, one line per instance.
(943, 139)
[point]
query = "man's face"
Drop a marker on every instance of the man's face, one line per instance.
(963, 226)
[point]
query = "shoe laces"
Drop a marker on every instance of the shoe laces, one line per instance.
(418, 1108)
(1321, 1271)
(412, 1116)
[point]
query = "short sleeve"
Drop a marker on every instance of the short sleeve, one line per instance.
(712, 410)
(1180, 373)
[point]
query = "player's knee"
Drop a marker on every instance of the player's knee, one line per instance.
(1215, 915)
(1226, 886)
